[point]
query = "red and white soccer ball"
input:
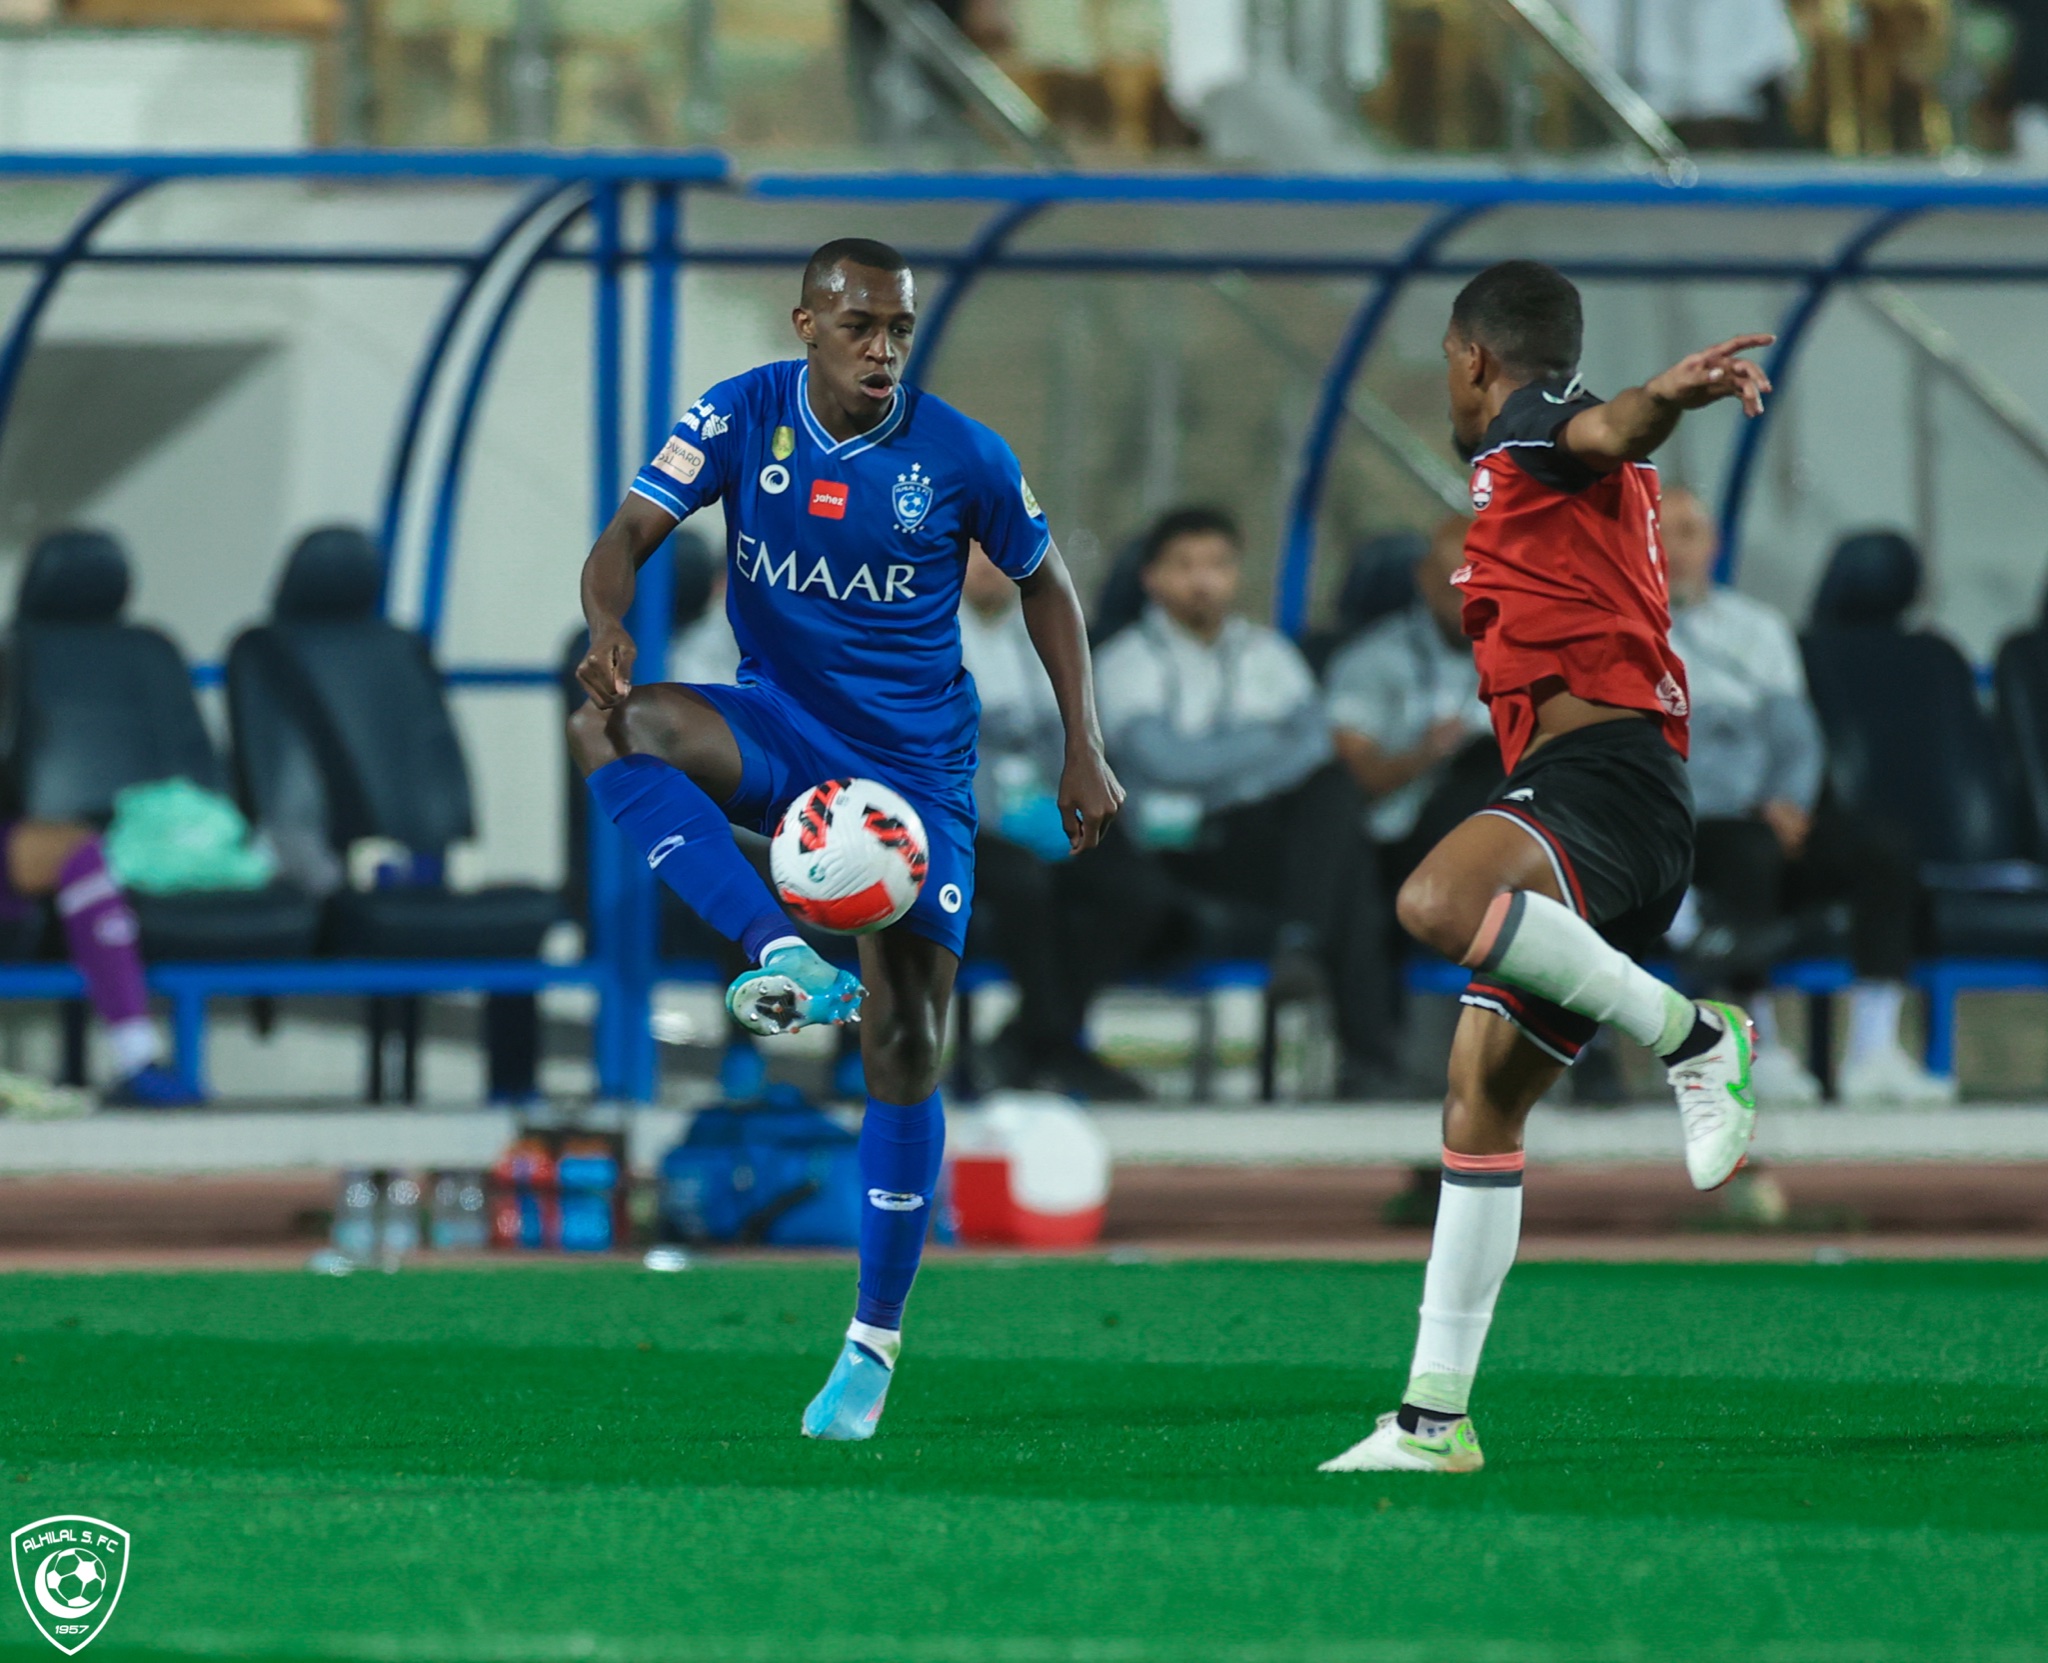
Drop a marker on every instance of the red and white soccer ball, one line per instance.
(849, 856)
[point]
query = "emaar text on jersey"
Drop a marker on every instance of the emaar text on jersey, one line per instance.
(752, 561)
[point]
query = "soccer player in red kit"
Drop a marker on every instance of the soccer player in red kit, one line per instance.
(1574, 870)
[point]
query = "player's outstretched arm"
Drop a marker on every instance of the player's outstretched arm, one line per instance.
(636, 531)
(1089, 792)
(1629, 426)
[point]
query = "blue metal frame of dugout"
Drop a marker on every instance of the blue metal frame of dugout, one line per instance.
(545, 226)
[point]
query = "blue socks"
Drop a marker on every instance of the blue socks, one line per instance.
(900, 1148)
(684, 836)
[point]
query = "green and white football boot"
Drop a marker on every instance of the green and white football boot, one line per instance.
(1717, 1099)
(1389, 1449)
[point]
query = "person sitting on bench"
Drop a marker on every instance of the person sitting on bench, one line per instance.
(43, 859)
(1215, 726)
(1771, 843)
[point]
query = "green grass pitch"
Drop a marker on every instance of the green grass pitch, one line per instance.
(1082, 1460)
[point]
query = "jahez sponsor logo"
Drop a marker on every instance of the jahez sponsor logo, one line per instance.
(828, 501)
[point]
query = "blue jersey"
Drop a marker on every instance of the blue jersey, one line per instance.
(846, 556)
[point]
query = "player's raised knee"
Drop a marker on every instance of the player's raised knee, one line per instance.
(590, 738)
(1438, 914)
(643, 723)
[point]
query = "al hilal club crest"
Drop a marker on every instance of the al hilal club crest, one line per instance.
(911, 497)
(70, 1570)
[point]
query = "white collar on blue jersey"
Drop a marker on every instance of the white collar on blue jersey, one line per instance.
(842, 449)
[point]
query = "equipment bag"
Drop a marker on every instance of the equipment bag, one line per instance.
(171, 837)
(780, 1174)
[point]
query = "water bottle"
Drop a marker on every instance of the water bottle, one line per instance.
(589, 1176)
(355, 1217)
(526, 1211)
(456, 1221)
(398, 1224)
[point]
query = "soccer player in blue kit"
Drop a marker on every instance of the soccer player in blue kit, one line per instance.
(850, 500)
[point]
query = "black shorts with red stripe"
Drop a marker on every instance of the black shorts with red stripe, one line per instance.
(1611, 807)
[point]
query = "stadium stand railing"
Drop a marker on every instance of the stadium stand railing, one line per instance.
(575, 208)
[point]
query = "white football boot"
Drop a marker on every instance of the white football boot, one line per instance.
(1780, 1077)
(1389, 1449)
(1890, 1075)
(1717, 1099)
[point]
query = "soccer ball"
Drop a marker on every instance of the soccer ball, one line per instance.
(849, 856)
(77, 1579)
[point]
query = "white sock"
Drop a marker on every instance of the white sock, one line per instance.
(1535, 943)
(885, 1343)
(1874, 1012)
(1478, 1226)
(135, 1044)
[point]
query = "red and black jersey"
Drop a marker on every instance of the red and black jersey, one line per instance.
(1564, 574)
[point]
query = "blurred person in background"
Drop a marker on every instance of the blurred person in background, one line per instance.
(2028, 80)
(1770, 842)
(1029, 911)
(1216, 727)
(1403, 703)
(1096, 65)
(702, 647)
(1717, 70)
(66, 863)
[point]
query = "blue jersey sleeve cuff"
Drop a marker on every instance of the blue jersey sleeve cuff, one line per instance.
(665, 500)
(1037, 560)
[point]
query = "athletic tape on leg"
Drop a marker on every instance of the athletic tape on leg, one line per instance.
(1537, 944)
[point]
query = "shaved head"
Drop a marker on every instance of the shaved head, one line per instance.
(825, 271)
(857, 319)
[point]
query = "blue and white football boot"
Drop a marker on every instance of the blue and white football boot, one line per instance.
(850, 1407)
(792, 988)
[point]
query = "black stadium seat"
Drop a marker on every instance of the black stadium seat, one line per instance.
(1381, 579)
(1120, 602)
(2022, 683)
(1379, 582)
(1909, 745)
(97, 705)
(338, 711)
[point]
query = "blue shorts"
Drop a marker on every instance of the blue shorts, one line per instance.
(784, 751)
